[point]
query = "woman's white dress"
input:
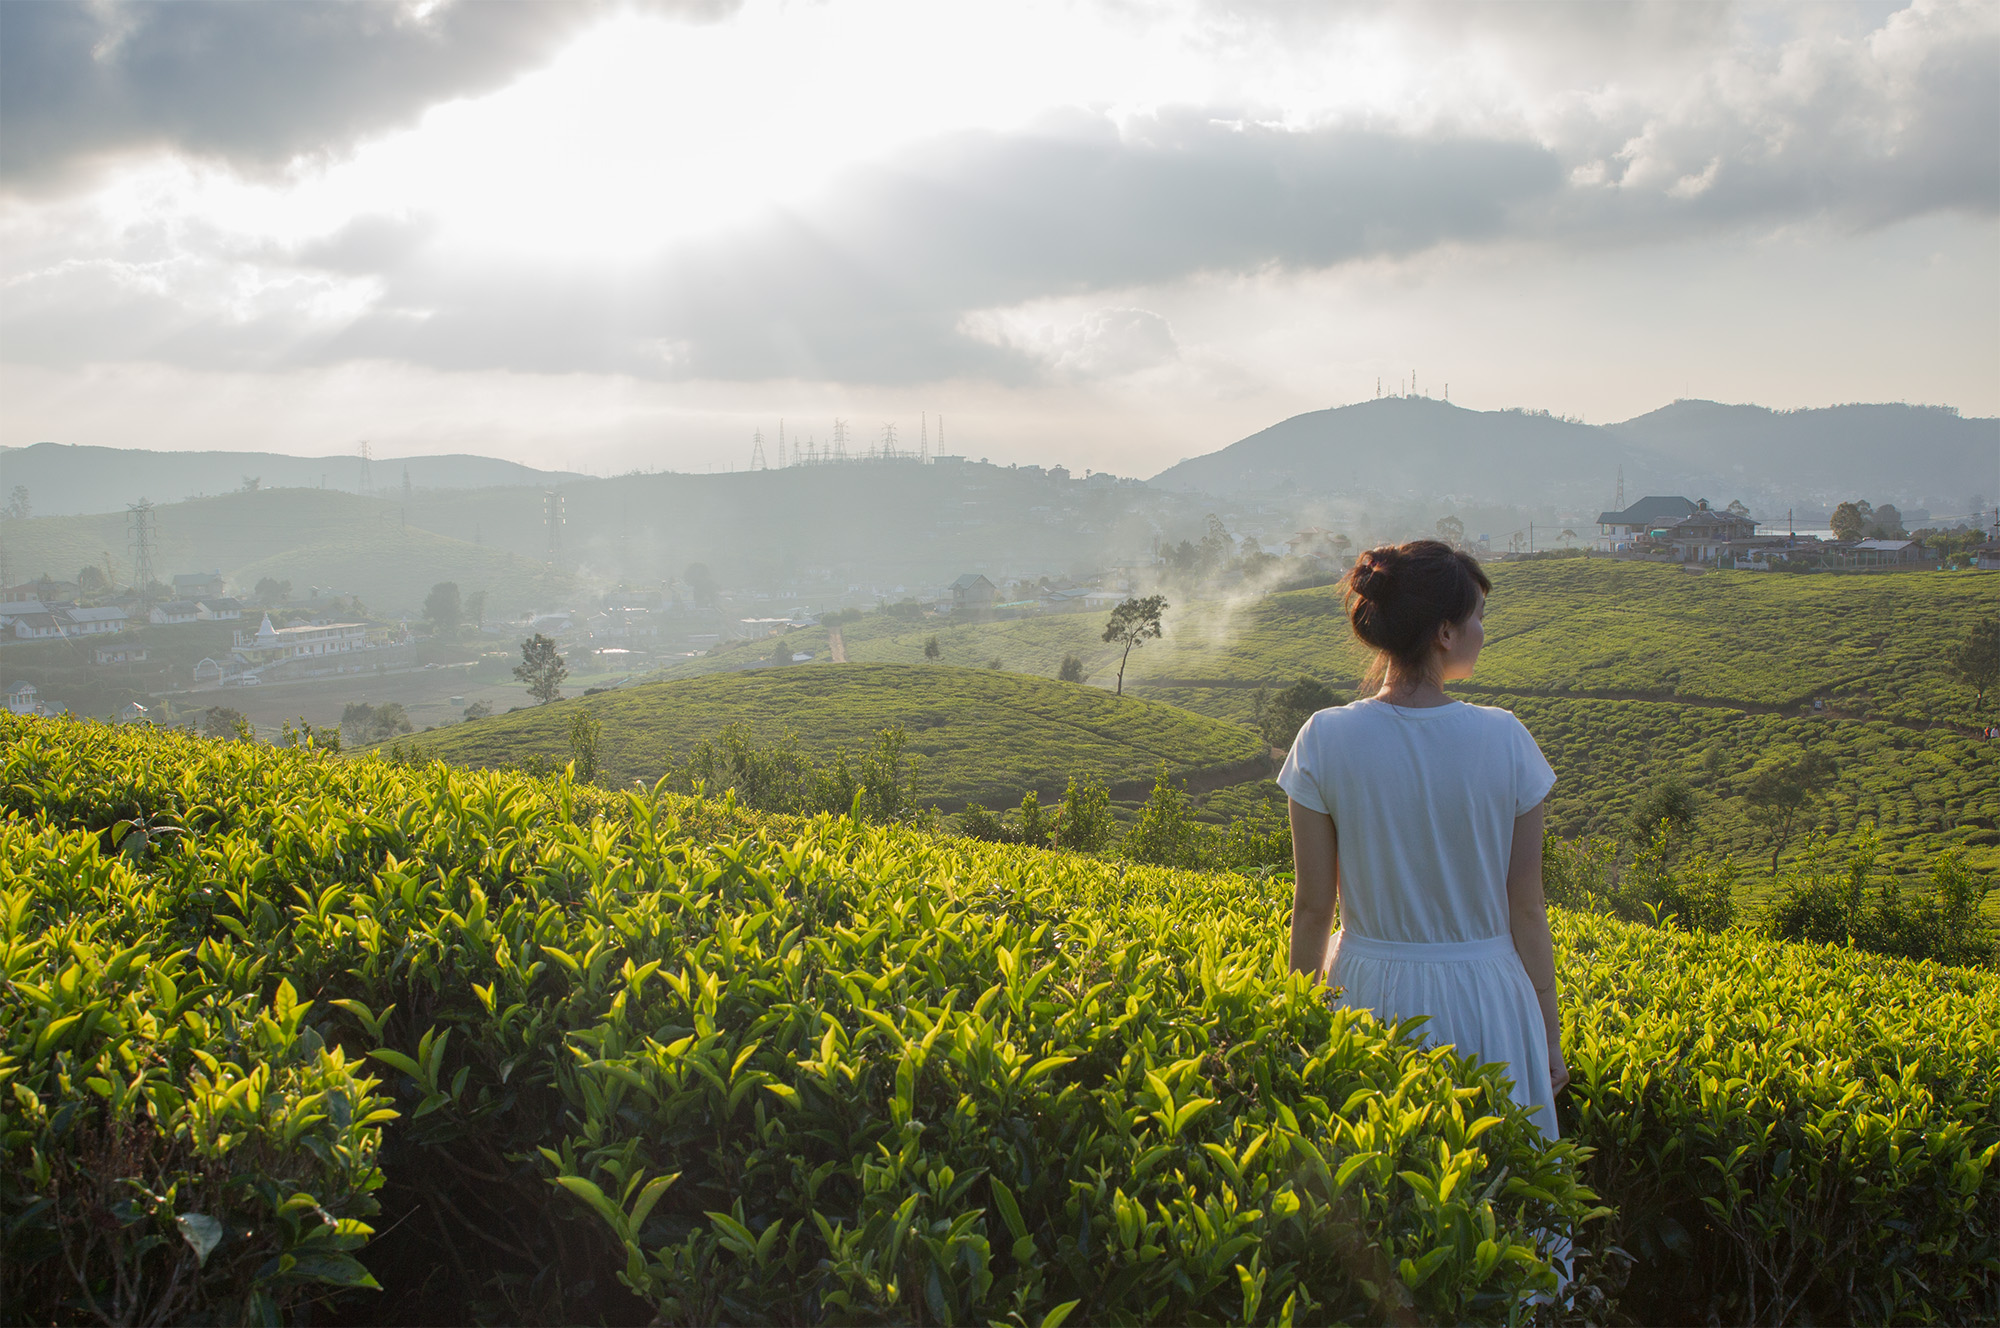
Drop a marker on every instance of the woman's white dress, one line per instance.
(1423, 803)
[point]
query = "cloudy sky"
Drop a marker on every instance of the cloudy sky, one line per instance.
(616, 235)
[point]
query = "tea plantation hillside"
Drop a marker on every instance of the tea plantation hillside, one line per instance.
(1865, 644)
(436, 1045)
(978, 734)
(1625, 672)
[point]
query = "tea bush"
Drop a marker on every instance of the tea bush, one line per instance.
(756, 1068)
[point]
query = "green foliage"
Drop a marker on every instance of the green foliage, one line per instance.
(1654, 884)
(324, 737)
(878, 785)
(1166, 833)
(1831, 897)
(1790, 1134)
(1071, 669)
(225, 722)
(364, 723)
(932, 650)
(584, 732)
(542, 669)
(788, 1070)
(1975, 660)
(825, 1071)
(1284, 714)
(983, 736)
(1782, 789)
(1083, 822)
(1668, 802)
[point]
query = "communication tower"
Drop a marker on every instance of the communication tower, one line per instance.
(141, 523)
(367, 480)
(940, 447)
(923, 438)
(840, 440)
(1619, 504)
(553, 518)
(781, 444)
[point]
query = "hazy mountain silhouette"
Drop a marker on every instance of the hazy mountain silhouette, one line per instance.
(68, 480)
(1926, 454)
(1419, 447)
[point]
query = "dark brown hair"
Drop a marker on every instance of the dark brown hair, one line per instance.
(1398, 595)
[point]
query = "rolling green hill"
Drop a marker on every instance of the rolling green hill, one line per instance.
(1624, 672)
(982, 736)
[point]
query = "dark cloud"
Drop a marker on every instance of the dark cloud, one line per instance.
(871, 284)
(257, 83)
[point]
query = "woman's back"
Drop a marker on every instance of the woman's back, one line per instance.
(1423, 802)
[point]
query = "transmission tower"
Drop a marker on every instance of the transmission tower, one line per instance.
(840, 440)
(141, 525)
(940, 446)
(367, 480)
(553, 518)
(923, 438)
(781, 444)
(757, 450)
(888, 442)
(1619, 505)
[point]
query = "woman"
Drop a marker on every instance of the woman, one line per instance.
(1420, 818)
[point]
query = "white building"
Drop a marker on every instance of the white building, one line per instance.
(22, 699)
(175, 611)
(224, 608)
(36, 626)
(269, 645)
(96, 622)
(120, 655)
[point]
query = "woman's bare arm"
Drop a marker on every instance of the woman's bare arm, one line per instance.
(1528, 921)
(1315, 887)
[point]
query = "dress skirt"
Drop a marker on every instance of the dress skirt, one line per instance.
(1476, 993)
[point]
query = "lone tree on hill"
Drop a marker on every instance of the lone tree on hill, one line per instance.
(1976, 660)
(1133, 623)
(1071, 670)
(541, 669)
(1451, 530)
(932, 650)
(1782, 790)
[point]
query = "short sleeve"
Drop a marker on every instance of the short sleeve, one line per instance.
(1299, 779)
(1533, 776)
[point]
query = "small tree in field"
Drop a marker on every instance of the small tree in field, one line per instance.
(932, 650)
(1132, 624)
(1975, 661)
(1071, 670)
(1782, 792)
(541, 669)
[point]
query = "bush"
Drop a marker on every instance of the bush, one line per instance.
(1166, 833)
(1828, 899)
(758, 1068)
(1071, 669)
(1083, 822)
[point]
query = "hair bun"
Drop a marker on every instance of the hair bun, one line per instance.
(1370, 576)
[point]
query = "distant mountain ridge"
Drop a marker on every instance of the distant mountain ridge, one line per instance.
(70, 480)
(1421, 447)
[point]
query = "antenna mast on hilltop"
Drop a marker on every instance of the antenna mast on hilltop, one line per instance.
(367, 481)
(552, 517)
(145, 534)
(781, 444)
(940, 450)
(757, 450)
(1618, 505)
